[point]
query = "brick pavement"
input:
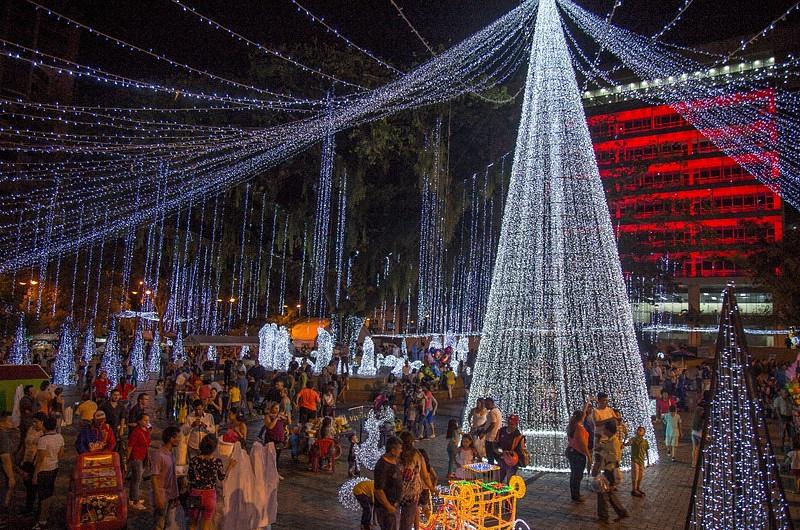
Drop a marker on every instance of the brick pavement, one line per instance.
(309, 501)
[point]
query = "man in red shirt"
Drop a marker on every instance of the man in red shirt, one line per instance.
(307, 402)
(101, 386)
(138, 445)
(124, 388)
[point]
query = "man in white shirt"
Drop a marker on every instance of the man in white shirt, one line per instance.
(198, 424)
(601, 413)
(494, 421)
(49, 450)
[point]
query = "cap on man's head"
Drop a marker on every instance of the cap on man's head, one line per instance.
(99, 415)
(602, 395)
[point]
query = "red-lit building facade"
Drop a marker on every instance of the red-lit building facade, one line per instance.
(672, 192)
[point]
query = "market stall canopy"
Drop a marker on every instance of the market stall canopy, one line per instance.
(220, 340)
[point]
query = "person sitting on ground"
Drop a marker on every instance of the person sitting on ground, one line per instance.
(96, 436)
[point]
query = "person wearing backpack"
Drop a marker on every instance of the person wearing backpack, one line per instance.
(510, 444)
(415, 477)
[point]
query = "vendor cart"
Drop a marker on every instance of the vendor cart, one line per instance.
(96, 498)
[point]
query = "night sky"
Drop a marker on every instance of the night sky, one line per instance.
(373, 24)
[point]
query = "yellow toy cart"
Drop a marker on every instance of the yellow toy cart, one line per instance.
(477, 505)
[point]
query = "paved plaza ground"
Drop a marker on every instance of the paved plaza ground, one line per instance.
(308, 501)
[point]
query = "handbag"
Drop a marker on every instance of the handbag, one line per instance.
(193, 502)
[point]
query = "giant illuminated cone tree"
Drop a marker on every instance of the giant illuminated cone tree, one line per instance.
(737, 483)
(558, 326)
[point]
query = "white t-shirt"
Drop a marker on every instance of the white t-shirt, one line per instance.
(195, 435)
(496, 419)
(601, 415)
(51, 443)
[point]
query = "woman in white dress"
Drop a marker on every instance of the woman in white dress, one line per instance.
(477, 418)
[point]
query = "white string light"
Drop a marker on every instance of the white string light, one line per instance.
(64, 364)
(558, 326)
(154, 360)
(112, 361)
(367, 366)
(368, 452)
(137, 357)
(737, 484)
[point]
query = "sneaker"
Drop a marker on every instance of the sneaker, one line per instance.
(433, 436)
(620, 517)
(674, 459)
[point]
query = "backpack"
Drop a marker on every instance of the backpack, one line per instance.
(522, 452)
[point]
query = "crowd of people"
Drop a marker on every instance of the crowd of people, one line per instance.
(208, 404)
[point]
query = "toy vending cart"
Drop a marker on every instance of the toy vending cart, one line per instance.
(96, 499)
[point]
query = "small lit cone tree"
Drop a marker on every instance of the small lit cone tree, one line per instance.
(736, 483)
(137, 354)
(112, 361)
(154, 361)
(20, 353)
(88, 343)
(64, 365)
(178, 352)
(558, 325)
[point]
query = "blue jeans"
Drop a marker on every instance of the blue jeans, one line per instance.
(137, 470)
